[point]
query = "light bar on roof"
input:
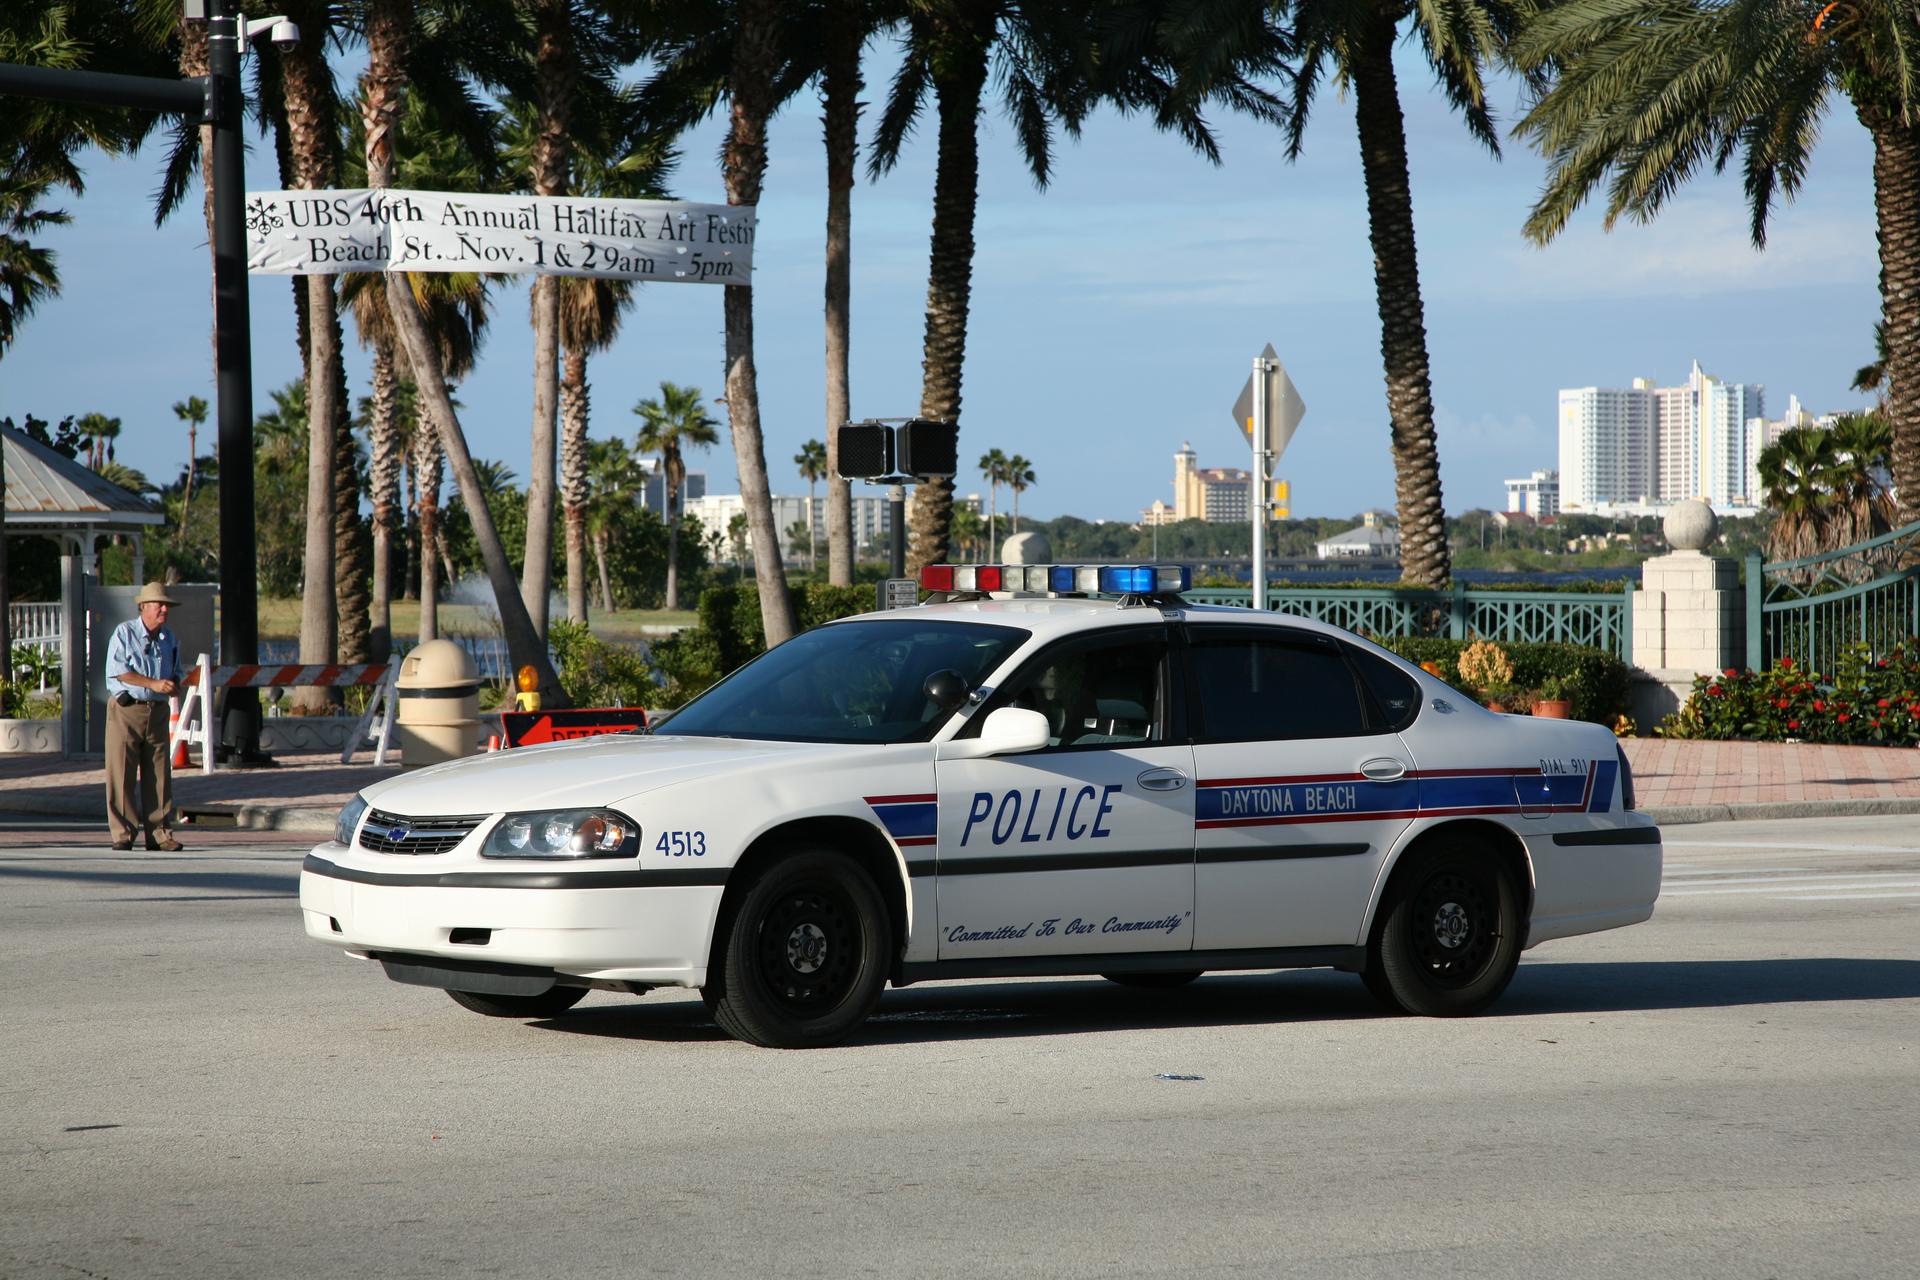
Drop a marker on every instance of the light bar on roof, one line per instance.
(1059, 579)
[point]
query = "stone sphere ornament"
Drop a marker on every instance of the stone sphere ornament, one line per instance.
(1030, 547)
(1691, 525)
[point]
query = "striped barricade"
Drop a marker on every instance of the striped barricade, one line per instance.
(196, 713)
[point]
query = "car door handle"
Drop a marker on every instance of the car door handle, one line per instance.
(1385, 769)
(1163, 779)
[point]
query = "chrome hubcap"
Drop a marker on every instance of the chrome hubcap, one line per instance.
(806, 948)
(1450, 925)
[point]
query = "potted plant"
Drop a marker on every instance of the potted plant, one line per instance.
(1552, 701)
(1485, 666)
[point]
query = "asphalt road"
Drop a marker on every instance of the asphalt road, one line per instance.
(189, 1087)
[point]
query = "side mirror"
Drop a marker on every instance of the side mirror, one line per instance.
(945, 689)
(1008, 731)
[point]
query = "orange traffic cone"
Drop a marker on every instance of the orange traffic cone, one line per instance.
(493, 742)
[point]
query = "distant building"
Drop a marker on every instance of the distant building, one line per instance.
(872, 528)
(654, 495)
(1762, 432)
(1538, 495)
(1218, 495)
(1158, 513)
(1645, 446)
(1377, 537)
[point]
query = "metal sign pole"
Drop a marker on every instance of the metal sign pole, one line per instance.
(1257, 486)
(897, 517)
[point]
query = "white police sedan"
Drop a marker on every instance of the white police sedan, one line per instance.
(1000, 783)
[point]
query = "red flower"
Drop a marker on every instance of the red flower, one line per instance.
(1844, 717)
(1787, 663)
(1793, 724)
(1780, 703)
(1731, 672)
(1819, 705)
(1883, 703)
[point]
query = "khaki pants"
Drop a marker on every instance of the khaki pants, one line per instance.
(139, 772)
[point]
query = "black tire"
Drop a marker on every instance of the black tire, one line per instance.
(550, 1003)
(1378, 987)
(806, 954)
(1157, 980)
(1449, 937)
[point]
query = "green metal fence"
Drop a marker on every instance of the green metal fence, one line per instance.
(1809, 609)
(1603, 620)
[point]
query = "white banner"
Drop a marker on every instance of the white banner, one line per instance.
(292, 233)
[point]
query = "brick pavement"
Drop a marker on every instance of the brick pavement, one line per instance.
(1679, 781)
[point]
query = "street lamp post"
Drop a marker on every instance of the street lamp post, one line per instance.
(216, 101)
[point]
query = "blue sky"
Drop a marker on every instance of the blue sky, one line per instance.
(1114, 315)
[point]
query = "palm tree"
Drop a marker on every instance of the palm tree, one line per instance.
(1796, 479)
(1862, 457)
(993, 469)
(192, 411)
(967, 532)
(675, 422)
(1872, 378)
(1354, 45)
(1020, 476)
(389, 29)
(28, 272)
(1645, 92)
(99, 431)
(615, 482)
(812, 461)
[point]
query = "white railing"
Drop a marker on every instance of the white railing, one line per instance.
(37, 624)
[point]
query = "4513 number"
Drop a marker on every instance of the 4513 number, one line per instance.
(682, 844)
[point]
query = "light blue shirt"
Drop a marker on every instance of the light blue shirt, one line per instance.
(132, 648)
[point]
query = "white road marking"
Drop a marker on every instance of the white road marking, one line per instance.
(1781, 890)
(1730, 871)
(1851, 897)
(1788, 848)
(1829, 878)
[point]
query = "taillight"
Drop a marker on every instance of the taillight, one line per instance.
(1626, 777)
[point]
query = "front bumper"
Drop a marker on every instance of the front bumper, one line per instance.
(597, 923)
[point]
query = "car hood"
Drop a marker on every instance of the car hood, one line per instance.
(594, 771)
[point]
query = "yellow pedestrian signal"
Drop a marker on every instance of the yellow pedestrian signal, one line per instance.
(1279, 496)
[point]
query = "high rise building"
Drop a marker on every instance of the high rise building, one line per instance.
(1538, 495)
(1214, 494)
(1645, 445)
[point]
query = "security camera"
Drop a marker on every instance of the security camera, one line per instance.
(283, 33)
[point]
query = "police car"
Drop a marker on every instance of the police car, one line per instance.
(1043, 770)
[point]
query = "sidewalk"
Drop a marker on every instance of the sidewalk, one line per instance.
(305, 793)
(1677, 782)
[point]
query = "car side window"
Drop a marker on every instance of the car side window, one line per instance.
(1396, 696)
(1252, 687)
(1102, 693)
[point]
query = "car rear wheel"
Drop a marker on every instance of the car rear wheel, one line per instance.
(1449, 938)
(548, 1004)
(1157, 980)
(806, 954)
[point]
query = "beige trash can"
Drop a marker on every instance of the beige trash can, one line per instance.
(439, 716)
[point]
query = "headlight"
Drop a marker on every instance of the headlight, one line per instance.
(564, 833)
(350, 820)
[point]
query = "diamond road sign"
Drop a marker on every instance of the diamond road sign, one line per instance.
(1285, 408)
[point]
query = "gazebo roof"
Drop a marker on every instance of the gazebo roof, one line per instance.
(47, 490)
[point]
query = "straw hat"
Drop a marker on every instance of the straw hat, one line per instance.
(153, 593)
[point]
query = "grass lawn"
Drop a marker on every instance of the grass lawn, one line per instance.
(280, 619)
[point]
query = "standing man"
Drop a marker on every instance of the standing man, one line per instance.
(143, 671)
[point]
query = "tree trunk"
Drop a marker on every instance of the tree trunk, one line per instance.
(744, 162)
(1424, 557)
(352, 555)
(669, 464)
(574, 394)
(313, 144)
(840, 87)
(554, 74)
(959, 76)
(1896, 207)
(600, 559)
(6, 591)
(429, 564)
(383, 430)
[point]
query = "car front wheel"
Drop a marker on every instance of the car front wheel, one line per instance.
(1449, 939)
(806, 954)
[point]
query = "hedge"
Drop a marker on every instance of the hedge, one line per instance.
(1867, 700)
(1596, 680)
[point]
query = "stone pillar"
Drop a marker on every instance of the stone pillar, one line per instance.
(73, 658)
(139, 559)
(1689, 615)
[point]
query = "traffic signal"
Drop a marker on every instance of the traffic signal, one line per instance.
(898, 450)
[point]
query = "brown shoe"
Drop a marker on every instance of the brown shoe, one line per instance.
(168, 845)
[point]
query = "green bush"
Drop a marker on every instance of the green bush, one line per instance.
(1868, 700)
(729, 634)
(598, 674)
(1595, 680)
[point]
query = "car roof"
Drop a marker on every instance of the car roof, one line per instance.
(1050, 617)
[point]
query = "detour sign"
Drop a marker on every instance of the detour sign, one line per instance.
(530, 728)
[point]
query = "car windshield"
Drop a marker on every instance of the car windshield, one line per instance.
(847, 682)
